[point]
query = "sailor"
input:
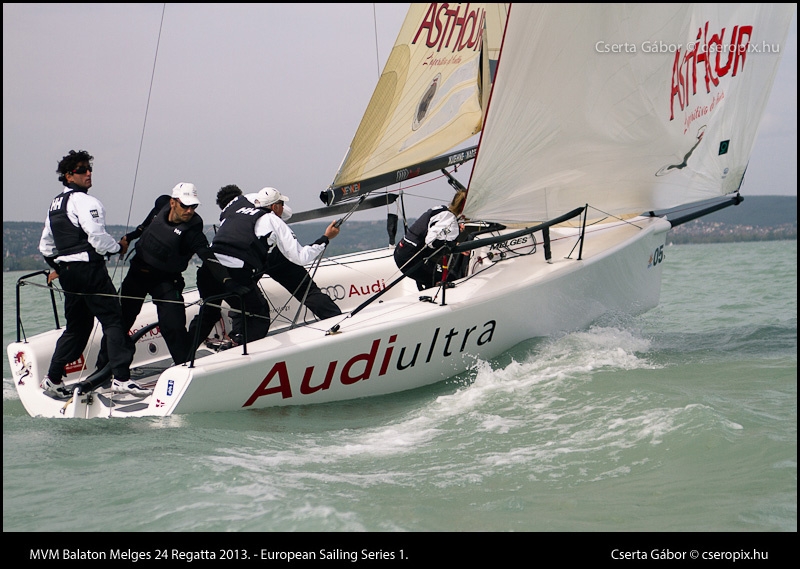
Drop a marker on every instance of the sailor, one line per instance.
(291, 276)
(75, 244)
(167, 239)
(433, 229)
(248, 231)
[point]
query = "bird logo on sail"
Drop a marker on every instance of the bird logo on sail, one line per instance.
(664, 170)
(425, 103)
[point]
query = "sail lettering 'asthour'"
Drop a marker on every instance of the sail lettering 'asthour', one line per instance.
(709, 58)
(574, 120)
(452, 27)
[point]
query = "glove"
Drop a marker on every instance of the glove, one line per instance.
(123, 246)
(234, 287)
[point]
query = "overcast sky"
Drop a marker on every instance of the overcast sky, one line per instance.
(250, 94)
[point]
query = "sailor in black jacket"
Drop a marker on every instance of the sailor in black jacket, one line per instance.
(427, 234)
(75, 244)
(168, 238)
(250, 228)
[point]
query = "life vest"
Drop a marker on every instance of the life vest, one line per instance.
(68, 238)
(236, 236)
(160, 243)
(415, 235)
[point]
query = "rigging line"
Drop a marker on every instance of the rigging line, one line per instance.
(350, 266)
(144, 127)
(146, 110)
(316, 263)
(378, 67)
(400, 189)
(375, 27)
(601, 220)
(279, 311)
(186, 304)
(115, 295)
(242, 311)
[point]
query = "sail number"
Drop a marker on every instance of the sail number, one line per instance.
(658, 255)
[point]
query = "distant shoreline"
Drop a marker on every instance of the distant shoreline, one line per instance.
(757, 218)
(702, 231)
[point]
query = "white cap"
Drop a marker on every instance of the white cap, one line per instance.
(268, 196)
(186, 193)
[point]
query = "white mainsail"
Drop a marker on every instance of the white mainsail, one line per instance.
(428, 99)
(626, 107)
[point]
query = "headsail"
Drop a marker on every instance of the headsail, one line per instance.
(627, 107)
(428, 99)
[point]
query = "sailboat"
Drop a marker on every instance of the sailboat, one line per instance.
(598, 125)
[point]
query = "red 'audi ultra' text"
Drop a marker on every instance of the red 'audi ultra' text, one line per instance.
(352, 371)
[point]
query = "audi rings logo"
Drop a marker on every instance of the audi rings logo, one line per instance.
(402, 174)
(336, 292)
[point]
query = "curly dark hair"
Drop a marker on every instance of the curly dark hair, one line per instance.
(226, 194)
(69, 162)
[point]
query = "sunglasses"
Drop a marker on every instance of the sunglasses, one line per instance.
(184, 206)
(82, 170)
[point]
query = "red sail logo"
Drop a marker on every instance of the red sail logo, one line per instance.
(711, 56)
(454, 27)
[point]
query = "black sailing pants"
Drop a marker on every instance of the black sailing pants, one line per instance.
(90, 294)
(409, 259)
(254, 303)
(166, 290)
(295, 279)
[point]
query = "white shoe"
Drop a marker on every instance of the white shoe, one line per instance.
(220, 345)
(128, 386)
(56, 390)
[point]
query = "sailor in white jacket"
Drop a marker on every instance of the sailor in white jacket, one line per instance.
(435, 227)
(249, 230)
(75, 244)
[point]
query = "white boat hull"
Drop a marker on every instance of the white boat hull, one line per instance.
(395, 344)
